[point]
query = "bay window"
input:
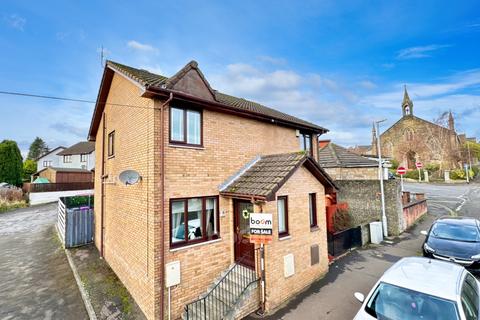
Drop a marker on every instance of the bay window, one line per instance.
(193, 220)
(185, 126)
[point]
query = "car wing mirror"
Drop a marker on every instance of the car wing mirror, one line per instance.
(424, 232)
(359, 296)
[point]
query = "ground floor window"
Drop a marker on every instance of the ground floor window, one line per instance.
(194, 220)
(282, 211)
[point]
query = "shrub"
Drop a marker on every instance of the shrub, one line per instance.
(6, 205)
(10, 195)
(394, 163)
(432, 167)
(475, 170)
(413, 174)
(457, 174)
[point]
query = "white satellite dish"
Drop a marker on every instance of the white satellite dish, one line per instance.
(129, 177)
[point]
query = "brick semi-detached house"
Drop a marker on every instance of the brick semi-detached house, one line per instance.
(206, 160)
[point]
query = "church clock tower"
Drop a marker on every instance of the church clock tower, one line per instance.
(407, 104)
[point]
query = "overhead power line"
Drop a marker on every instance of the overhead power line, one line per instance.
(32, 95)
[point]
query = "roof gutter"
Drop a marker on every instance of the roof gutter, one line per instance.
(213, 105)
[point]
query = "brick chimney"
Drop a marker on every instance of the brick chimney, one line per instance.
(323, 143)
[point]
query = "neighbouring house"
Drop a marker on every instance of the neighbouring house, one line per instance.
(342, 164)
(206, 160)
(79, 156)
(50, 159)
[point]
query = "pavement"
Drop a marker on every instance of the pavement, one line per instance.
(35, 277)
(106, 294)
(332, 296)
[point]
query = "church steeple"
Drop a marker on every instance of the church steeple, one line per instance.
(451, 123)
(407, 104)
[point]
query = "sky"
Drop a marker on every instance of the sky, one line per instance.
(339, 64)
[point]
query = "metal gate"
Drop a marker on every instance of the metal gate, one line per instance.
(341, 242)
(75, 221)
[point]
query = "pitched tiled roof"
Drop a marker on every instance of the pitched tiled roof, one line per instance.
(148, 79)
(334, 156)
(267, 174)
(79, 148)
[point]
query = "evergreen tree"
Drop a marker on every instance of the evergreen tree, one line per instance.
(29, 168)
(37, 148)
(11, 166)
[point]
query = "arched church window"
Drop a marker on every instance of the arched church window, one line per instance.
(388, 148)
(409, 134)
(407, 110)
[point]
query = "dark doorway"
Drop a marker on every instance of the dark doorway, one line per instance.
(244, 250)
(411, 160)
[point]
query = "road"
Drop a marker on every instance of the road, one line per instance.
(35, 277)
(444, 199)
(331, 298)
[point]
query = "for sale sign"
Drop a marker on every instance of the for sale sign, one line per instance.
(261, 228)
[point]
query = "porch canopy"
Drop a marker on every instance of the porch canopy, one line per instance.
(264, 176)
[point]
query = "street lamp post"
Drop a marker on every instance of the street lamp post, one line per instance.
(380, 169)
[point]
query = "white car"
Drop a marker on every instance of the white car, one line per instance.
(422, 288)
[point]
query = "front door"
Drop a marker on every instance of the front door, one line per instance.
(244, 250)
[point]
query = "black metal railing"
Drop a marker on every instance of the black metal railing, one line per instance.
(222, 298)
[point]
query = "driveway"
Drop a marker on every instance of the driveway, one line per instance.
(332, 297)
(35, 277)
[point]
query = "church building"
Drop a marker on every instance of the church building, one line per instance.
(412, 139)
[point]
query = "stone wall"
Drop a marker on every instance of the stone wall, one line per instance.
(365, 173)
(364, 202)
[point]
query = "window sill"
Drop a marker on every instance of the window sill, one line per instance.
(184, 146)
(195, 245)
(111, 157)
(313, 229)
(282, 238)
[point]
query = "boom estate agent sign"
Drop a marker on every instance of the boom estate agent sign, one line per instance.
(261, 228)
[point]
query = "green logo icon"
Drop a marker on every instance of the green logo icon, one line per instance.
(245, 214)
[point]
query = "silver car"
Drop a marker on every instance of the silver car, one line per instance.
(422, 288)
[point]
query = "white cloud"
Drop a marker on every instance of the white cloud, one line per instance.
(367, 84)
(141, 46)
(16, 21)
(272, 60)
(419, 52)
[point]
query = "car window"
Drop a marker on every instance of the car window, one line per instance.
(455, 232)
(469, 297)
(390, 302)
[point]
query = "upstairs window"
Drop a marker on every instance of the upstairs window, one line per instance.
(47, 163)
(193, 220)
(67, 159)
(111, 144)
(305, 140)
(83, 157)
(185, 126)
